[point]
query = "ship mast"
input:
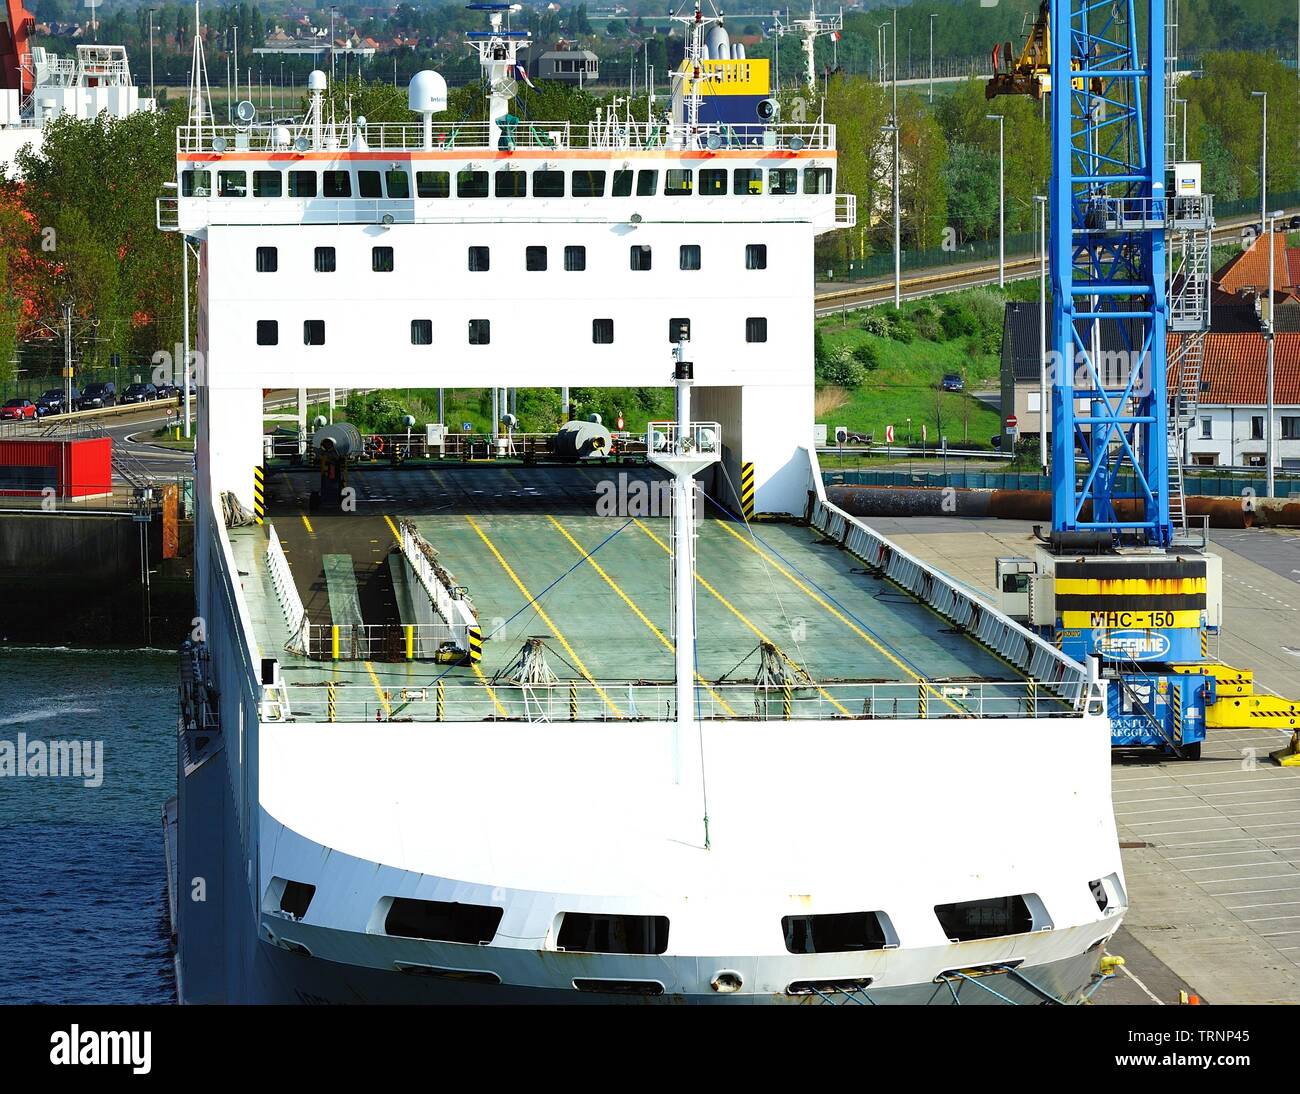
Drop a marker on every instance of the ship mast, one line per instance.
(200, 100)
(498, 50)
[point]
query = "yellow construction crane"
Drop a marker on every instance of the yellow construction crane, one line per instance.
(1032, 74)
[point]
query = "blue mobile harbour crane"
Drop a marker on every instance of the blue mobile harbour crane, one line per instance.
(1119, 577)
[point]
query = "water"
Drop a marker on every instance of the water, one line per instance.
(83, 887)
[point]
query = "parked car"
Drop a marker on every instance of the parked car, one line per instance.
(18, 409)
(953, 382)
(55, 401)
(1294, 223)
(140, 393)
(168, 391)
(97, 396)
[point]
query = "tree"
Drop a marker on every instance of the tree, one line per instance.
(972, 192)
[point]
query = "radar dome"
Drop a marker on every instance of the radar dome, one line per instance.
(316, 80)
(427, 93)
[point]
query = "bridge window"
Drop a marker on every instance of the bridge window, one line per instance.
(398, 184)
(471, 184)
(575, 258)
(844, 932)
(588, 184)
(756, 256)
(232, 184)
(368, 184)
(313, 332)
(480, 259)
(268, 184)
(756, 329)
(196, 184)
(433, 184)
(268, 332)
(480, 332)
(268, 259)
(713, 180)
(621, 186)
(640, 256)
(679, 181)
(782, 180)
(421, 332)
(602, 331)
(679, 329)
(296, 898)
(442, 921)
(325, 260)
(548, 184)
(302, 184)
(511, 184)
(381, 259)
(816, 180)
(535, 259)
(689, 256)
(337, 184)
(583, 933)
(968, 920)
(747, 180)
(647, 183)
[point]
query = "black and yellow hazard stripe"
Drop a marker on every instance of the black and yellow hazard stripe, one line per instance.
(259, 495)
(747, 490)
(1161, 594)
(1205, 642)
(475, 645)
(1176, 708)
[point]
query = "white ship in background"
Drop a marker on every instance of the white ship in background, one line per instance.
(37, 86)
(821, 771)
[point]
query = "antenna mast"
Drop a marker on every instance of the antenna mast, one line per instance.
(200, 99)
(811, 29)
(498, 50)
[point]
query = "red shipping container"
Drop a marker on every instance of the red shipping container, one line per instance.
(73, 469)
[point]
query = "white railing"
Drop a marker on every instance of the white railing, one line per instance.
(447, 600)
(286, 592)
(669, 439)
(846, 210)
(376, 642)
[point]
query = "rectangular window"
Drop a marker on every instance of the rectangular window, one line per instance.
(324, 260)
(782, 180)
(302, 184)
(440, 921)
(548, 184)
(816, 180)
(511, 184)
(268, 259)
(846, 932)
(480, 259)
(268, 332)
(313, 332)
(368, 184)
(268, 184)
(421, 332)
(471, 184)
(1207, 429)
(602, 331)
(433, 184)
(196, 184)
(756, 329)
(640, 256)
(690, 256)
(534, 259)
(679, 328)
(588, 184)
(1290, 428)
(583, 933)
(968, 920)
(622, 184)
(575, 258)
(232, 184)
(1257, 427)
(337, 184)
(679, 181)
(381, 259)
(480, 332)
(747, 180)
(713, 180)
(398, 184)
(296, 898)
(647, 183)
(756, 256)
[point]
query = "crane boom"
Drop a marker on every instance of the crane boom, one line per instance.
(15, 53)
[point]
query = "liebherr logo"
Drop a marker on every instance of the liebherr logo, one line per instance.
(114, 1048)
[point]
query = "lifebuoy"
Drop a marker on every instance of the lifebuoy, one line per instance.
(377, 442)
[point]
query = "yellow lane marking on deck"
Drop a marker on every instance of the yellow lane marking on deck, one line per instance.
(307, 524)
(559, 636)
(396, 534)
(745, 620)
(636, 610)
(378, 688)
(491, 694)
(802, 587)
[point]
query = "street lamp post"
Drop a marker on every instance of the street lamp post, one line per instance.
(152, 93)
(1002, 201)
(1263, 161)
(898, 221)
(933, 17)
(1270, 444)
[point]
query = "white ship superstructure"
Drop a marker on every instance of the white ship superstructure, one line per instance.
(491, 783)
